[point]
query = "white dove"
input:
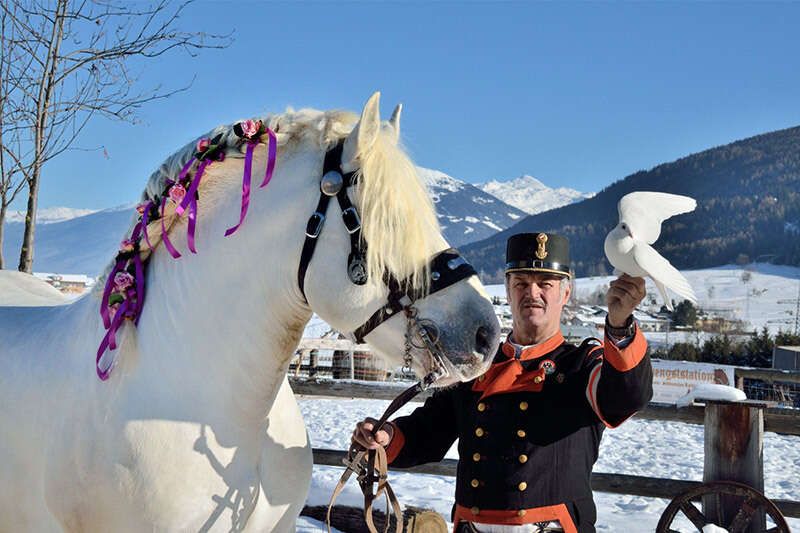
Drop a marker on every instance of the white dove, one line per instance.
(628, 247)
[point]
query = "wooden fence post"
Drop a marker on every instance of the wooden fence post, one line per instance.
(312, 364)
(734, 451)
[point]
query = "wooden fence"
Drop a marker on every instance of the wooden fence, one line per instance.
(778, 420)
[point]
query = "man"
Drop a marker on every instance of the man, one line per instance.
(529, 429)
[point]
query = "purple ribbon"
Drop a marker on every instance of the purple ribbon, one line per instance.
(147, 208)
(190, 194)
(110, 341)
(273, 151)
(192, 223)
(107, 292)
(164, 238)
(248, 167)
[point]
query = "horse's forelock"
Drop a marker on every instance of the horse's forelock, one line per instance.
(398, 218)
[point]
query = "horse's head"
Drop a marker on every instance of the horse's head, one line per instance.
(344, 228)
(391, 280)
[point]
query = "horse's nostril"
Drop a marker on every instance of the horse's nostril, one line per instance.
(482, 340)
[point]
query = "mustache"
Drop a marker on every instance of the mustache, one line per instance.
(533, 301)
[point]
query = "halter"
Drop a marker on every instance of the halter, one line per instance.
(446, 267)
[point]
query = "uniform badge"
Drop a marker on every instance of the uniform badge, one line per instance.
(541, 251)
(548, 365)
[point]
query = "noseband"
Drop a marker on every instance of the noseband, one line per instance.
(446, 267)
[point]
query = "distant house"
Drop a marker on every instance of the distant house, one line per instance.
(786, 358)
(67, 283)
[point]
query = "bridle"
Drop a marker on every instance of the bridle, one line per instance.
(446, 268)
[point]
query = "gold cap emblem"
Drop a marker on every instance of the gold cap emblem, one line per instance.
(541, 252)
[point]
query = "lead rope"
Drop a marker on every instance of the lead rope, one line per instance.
(372, 466)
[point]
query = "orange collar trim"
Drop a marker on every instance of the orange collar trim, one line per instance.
(535, 351)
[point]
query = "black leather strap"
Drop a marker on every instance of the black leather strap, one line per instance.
(333, 162)
(447, 268)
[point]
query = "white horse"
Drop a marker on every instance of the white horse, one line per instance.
(196, 429)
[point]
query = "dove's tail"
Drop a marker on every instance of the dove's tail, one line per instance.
(678, 284)
(663, 290)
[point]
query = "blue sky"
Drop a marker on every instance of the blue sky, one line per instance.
(577, 94)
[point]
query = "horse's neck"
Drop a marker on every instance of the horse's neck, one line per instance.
(223, 324)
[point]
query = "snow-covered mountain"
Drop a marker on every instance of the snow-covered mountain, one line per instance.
(49, 215)
(531, 195)
(82, 241)
(466, 213)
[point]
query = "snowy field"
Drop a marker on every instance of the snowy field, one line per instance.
(758, 294)
(639, 447)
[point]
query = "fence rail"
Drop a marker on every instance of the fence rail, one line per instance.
(779, 420)
(649, 487)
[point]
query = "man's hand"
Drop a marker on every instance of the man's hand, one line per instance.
(363, 434)
(624, 295)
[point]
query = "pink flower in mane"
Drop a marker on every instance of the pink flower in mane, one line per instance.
(112, 310)
(123, 280)
(177, 192)
(250, 128)
(126, 245)
(203, 144)
(141, 208)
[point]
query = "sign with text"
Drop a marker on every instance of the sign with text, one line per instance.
(673, 379)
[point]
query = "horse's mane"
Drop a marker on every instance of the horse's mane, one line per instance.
(398, 218)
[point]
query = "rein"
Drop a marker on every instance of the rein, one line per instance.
(372, 466)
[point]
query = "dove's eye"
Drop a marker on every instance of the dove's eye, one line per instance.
(624, 226)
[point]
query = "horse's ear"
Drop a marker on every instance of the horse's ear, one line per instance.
(394, 122)
(364, 134)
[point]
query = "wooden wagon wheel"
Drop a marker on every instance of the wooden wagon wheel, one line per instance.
(752, 501)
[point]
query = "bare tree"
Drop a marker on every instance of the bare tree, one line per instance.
(11, 179)
(69, 61)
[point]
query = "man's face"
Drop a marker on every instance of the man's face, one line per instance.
(536, 302)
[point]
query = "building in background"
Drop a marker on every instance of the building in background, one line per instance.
(67, 283)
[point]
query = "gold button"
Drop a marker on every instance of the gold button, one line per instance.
(481, 407)
(523, 406)
(520, 433)
(522, 486)
(479, 432)
(523, 458)
(521, 512)
(476, 457)
(538, 379)
(475, 483)
(475, 510)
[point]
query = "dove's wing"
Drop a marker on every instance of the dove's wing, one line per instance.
(644, 212)
(662, 271)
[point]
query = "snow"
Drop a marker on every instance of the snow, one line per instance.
(531, 195)
(711, 391)
(652, 448)
(50, 215)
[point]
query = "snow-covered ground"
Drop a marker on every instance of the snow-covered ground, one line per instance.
(639, 447)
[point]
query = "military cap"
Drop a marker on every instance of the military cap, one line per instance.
(538, 252)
